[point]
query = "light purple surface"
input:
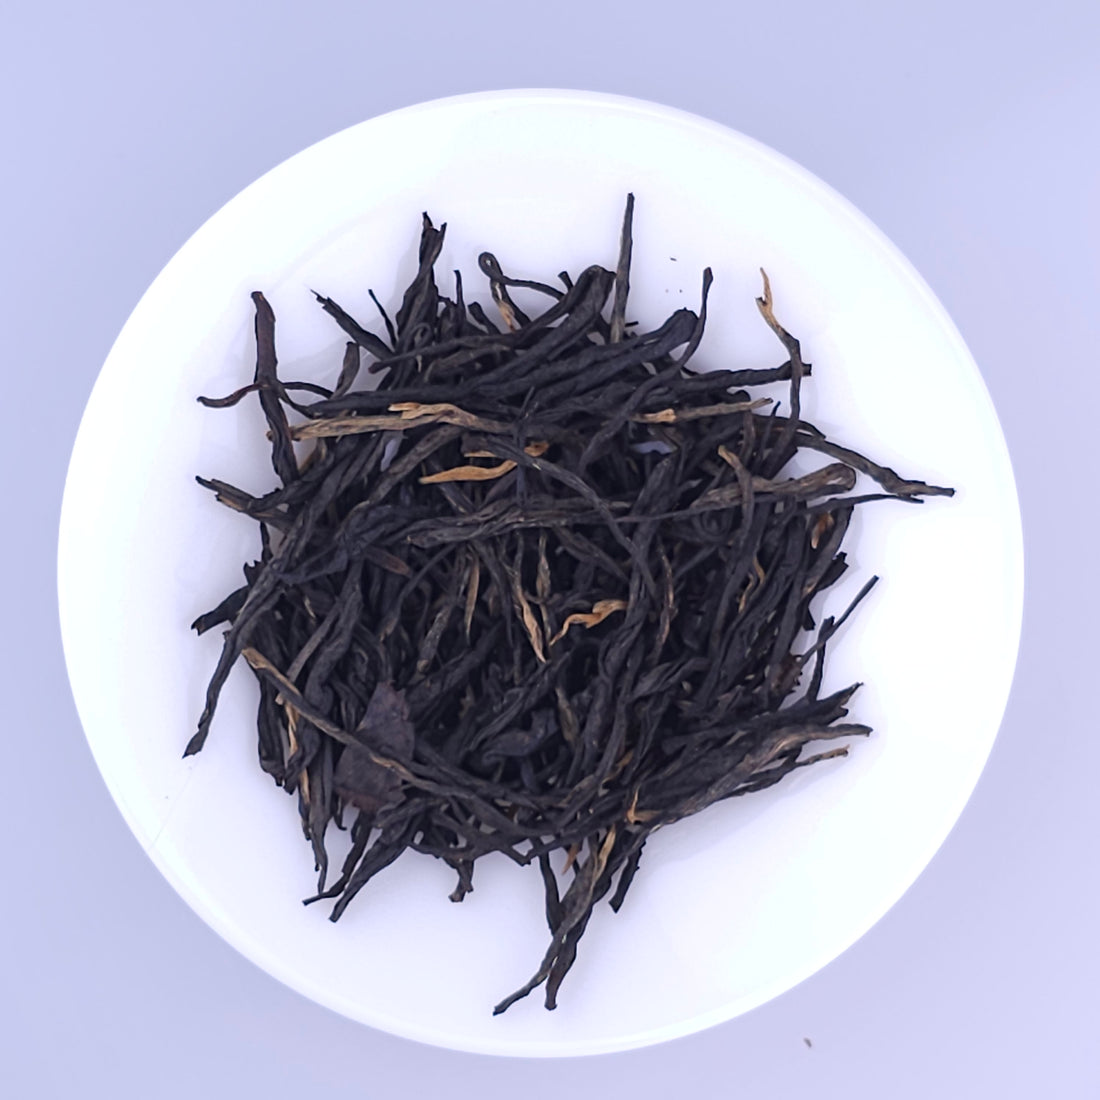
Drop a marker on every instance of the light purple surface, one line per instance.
(966, 131)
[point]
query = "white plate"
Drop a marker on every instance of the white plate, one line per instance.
(729, 908)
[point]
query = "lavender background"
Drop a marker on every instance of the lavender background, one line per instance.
(966, 130)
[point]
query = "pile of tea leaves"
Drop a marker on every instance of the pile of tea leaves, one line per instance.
(531, 584)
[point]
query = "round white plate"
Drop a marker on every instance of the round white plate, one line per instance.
(730, 908)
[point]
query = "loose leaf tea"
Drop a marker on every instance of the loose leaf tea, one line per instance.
(534, 585)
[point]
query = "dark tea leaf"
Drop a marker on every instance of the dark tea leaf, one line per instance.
(385, 726)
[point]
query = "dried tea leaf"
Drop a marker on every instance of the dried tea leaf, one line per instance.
(359, 780)
(600, 611)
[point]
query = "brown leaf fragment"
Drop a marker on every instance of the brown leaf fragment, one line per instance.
(668, 602)
(472, 586)
(662, 416)
(754, 583)
(535, 450)
(634, 816)
(527, 617)
(291, 725)
(766, 307)
(729, 458)
(412, 410)
(570, 727)
(481, 473)
(821, 528)
(600, 610)
(699, 412)
(409, 414)
(571, 856)
(468, 473)
(542, 586)
(834, 478)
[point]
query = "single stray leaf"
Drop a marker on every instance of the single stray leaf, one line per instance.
(600, 610)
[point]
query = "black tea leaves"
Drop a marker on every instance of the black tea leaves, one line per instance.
(533, 585)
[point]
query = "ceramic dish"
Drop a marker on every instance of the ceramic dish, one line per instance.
(730, 908)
